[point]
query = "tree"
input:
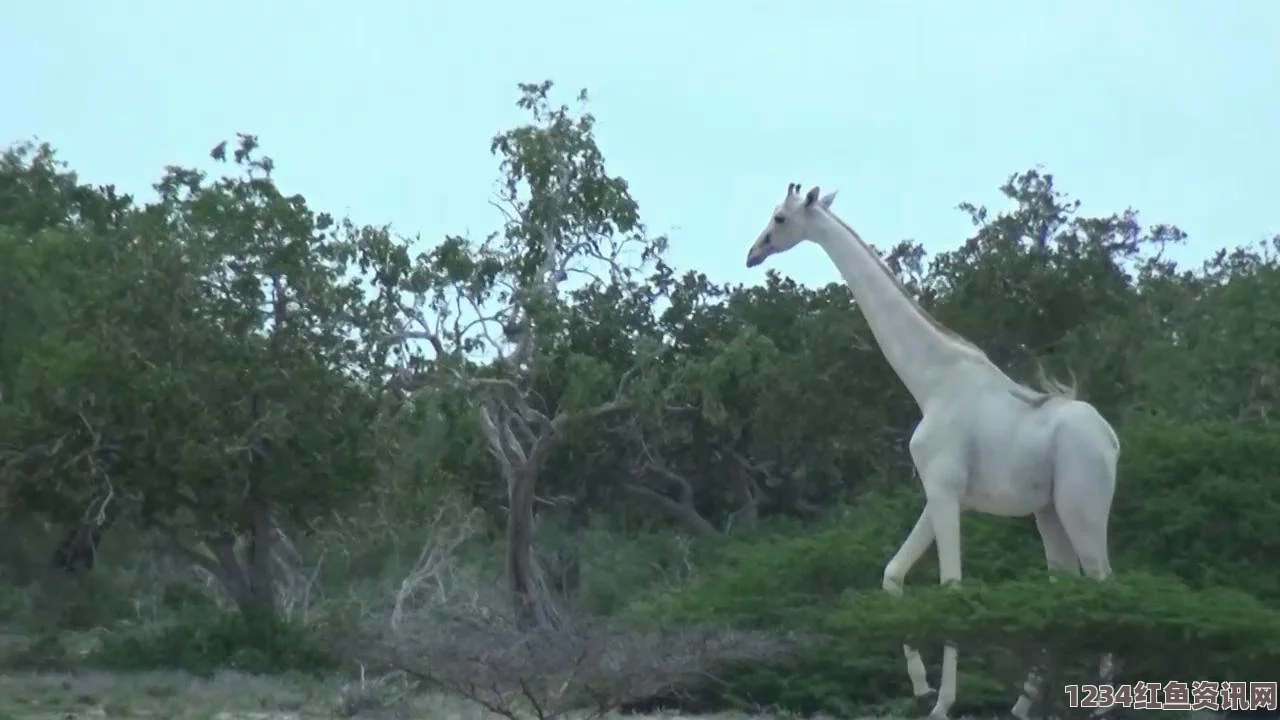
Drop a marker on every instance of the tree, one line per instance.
(38, 197)
(1212, 337)
(567, 219)
(205, 364)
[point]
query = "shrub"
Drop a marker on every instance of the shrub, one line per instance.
(218, 640)
(42, 652)
(796, 582)
(1192, 533)
(1158, 625)
(1200, 501)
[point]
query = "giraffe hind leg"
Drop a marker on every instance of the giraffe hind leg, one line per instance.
(1083, 488)
(1060, 556)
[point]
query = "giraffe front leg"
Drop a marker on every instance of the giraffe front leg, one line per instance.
(944, 514)
(895, 574)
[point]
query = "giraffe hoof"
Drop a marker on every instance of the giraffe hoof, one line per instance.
(924, 703)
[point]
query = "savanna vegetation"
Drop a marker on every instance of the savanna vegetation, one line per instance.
(544, 469)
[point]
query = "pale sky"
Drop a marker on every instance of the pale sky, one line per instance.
(384, 109)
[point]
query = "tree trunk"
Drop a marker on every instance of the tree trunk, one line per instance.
(245, 576)
(77, 550)
(745, 488)
(258, 553)
(246, 573)
(256, 587)
(530, 603)
(569, 572)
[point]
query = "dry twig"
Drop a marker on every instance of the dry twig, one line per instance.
(588, 666)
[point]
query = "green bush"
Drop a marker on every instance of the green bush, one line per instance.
(58, 601)
(775, 579)
(616, 568)
(218, 640)
(44, 651)
(1193, 536)
(1200, 501)
(796, 582)
(1157, 624)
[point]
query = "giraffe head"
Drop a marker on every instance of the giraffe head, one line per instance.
(790, 224)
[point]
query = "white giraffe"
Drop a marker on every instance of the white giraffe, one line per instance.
(984, 442)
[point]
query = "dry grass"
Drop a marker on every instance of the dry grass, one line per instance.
(157, 694)
(225, 696)
(235, 696)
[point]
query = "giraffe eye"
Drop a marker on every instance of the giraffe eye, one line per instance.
(779, 219)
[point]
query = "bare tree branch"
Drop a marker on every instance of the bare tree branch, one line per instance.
(546, 673)
(682, 507)
(683, 510)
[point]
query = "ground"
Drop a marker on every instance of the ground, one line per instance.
(229, 696)
(179, 696)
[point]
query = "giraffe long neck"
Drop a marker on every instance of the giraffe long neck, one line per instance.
(920, 350)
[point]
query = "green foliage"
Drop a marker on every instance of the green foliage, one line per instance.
(1209, 355)
(203, 644)
(786, 578)
(44, 651)
(797, 581)
(1199, 501)
(79, 603)
(199, 364)
(43, 600)
(229, 360)
(1157, 624)
(1195, 512)
(617, 568)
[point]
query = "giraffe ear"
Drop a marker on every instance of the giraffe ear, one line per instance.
(812, 196)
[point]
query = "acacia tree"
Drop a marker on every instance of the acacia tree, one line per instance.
(493, 314)
(1040, 282)
(206, 365)
(45, 216)
(1213, 335)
